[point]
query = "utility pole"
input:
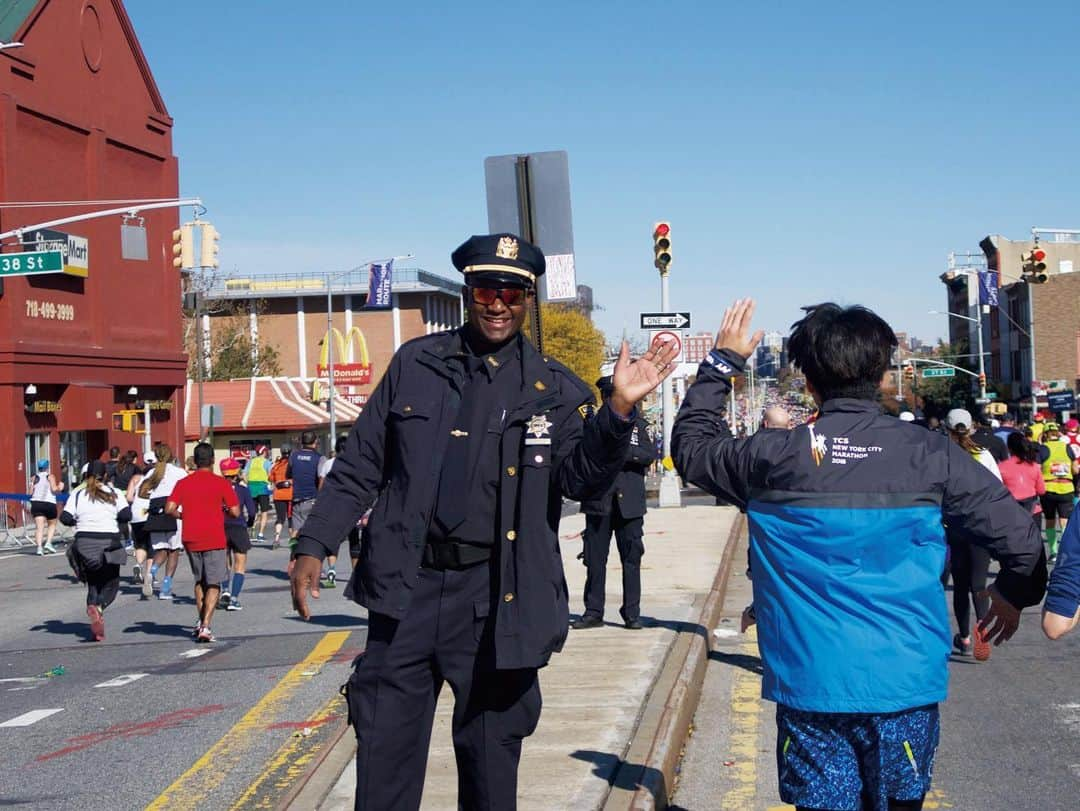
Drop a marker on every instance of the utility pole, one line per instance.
(670, 495)
(330, 364)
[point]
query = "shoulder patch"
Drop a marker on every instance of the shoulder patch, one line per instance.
(587, 411)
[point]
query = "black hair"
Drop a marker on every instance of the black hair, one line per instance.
(339, 445)
(843, 351)
(1022, 448)
(114, 452)
(307, 438)
(203, 455)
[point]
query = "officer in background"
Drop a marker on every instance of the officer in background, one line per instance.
(621, 509)
(468, 443)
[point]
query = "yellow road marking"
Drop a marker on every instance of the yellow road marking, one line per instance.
(192, 789)
(746, 720)
(289, 762)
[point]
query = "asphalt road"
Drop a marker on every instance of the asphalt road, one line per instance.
(92, 737)
(1010, 728)
(148, 718)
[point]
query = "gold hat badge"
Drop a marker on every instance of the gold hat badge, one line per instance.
(507, 248)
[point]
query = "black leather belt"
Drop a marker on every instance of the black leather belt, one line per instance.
(445, 555)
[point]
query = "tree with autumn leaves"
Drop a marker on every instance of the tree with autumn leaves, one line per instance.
(573, 340)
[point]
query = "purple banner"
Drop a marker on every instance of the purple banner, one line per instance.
(988, 287)
(380, 282)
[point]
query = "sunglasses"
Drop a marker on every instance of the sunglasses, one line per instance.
(511, 296)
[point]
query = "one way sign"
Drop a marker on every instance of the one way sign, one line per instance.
(665, 320)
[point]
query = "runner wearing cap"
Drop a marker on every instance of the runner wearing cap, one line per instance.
(968, 564)
(1058, 470)
(43, 490)
(257, 475)
(1072, 440)
(237, 537)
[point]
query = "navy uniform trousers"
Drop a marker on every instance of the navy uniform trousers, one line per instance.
(446, 636)
(629, 539)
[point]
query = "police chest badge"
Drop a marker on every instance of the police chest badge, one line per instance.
(538, 430)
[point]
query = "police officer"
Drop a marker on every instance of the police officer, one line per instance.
(621, 509)
(466, 448)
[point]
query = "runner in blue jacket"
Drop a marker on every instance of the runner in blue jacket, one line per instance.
(846, 547)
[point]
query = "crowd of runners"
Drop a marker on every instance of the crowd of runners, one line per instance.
(144, 512)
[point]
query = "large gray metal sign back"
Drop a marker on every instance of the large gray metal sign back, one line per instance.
(529, 195)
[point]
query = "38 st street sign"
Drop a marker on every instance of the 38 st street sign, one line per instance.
(28, 263)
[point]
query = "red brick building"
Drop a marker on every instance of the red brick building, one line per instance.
(82, 119)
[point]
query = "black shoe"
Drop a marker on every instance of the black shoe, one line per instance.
(632, 625)
(959, 645)
(587, 622)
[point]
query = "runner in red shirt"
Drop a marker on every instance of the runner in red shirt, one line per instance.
(201, 500)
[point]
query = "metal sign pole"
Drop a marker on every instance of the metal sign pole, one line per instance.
(525, 217)
(670, 495)
(200, 349)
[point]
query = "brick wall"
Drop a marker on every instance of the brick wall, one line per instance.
(1057, 327)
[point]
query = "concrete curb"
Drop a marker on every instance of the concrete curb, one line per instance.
(321, 777)
(653, 754)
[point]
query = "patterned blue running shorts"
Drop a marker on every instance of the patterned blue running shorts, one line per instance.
(855, 762)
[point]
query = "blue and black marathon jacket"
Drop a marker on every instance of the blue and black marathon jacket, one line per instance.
(847, 543)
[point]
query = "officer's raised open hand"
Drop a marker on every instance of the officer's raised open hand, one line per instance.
(633, 379)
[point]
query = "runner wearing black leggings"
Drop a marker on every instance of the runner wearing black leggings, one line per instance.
(968, 564)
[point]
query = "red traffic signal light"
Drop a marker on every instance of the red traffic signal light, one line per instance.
(662, 245)
(1035, 265)
(909, 372)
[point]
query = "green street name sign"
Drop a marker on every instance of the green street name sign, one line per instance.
(939, 371)
(30, 262)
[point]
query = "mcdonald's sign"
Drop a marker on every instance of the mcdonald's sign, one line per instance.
(352, 364)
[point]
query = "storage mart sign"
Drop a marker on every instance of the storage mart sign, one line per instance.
(76, 250)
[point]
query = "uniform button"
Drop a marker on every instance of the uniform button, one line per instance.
(620, 495)
(508, 598)
(538, 458)
(407, 409)
(511, 471)
(511, 535)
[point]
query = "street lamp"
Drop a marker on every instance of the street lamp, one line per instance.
(330, 339)
(977, 321)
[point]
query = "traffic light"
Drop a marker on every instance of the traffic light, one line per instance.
(1035, 265)
(909, 372)
(982, 379)
(129, 419)
(209, 250)
(662, 245)
(184, 246)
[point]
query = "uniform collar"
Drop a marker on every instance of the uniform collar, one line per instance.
(850, 405)
(493, 362)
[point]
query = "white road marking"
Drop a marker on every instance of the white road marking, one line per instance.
(23, 679)
(120, 681)
(724, 633)
(28, 718)
(191, 654)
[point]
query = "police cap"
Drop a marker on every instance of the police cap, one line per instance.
(606, 385)
(501, 259)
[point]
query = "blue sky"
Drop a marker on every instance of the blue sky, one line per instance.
(801, 151)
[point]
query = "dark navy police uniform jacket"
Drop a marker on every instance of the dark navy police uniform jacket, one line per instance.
(395, 452)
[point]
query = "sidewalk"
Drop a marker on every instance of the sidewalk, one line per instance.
(595, 690)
